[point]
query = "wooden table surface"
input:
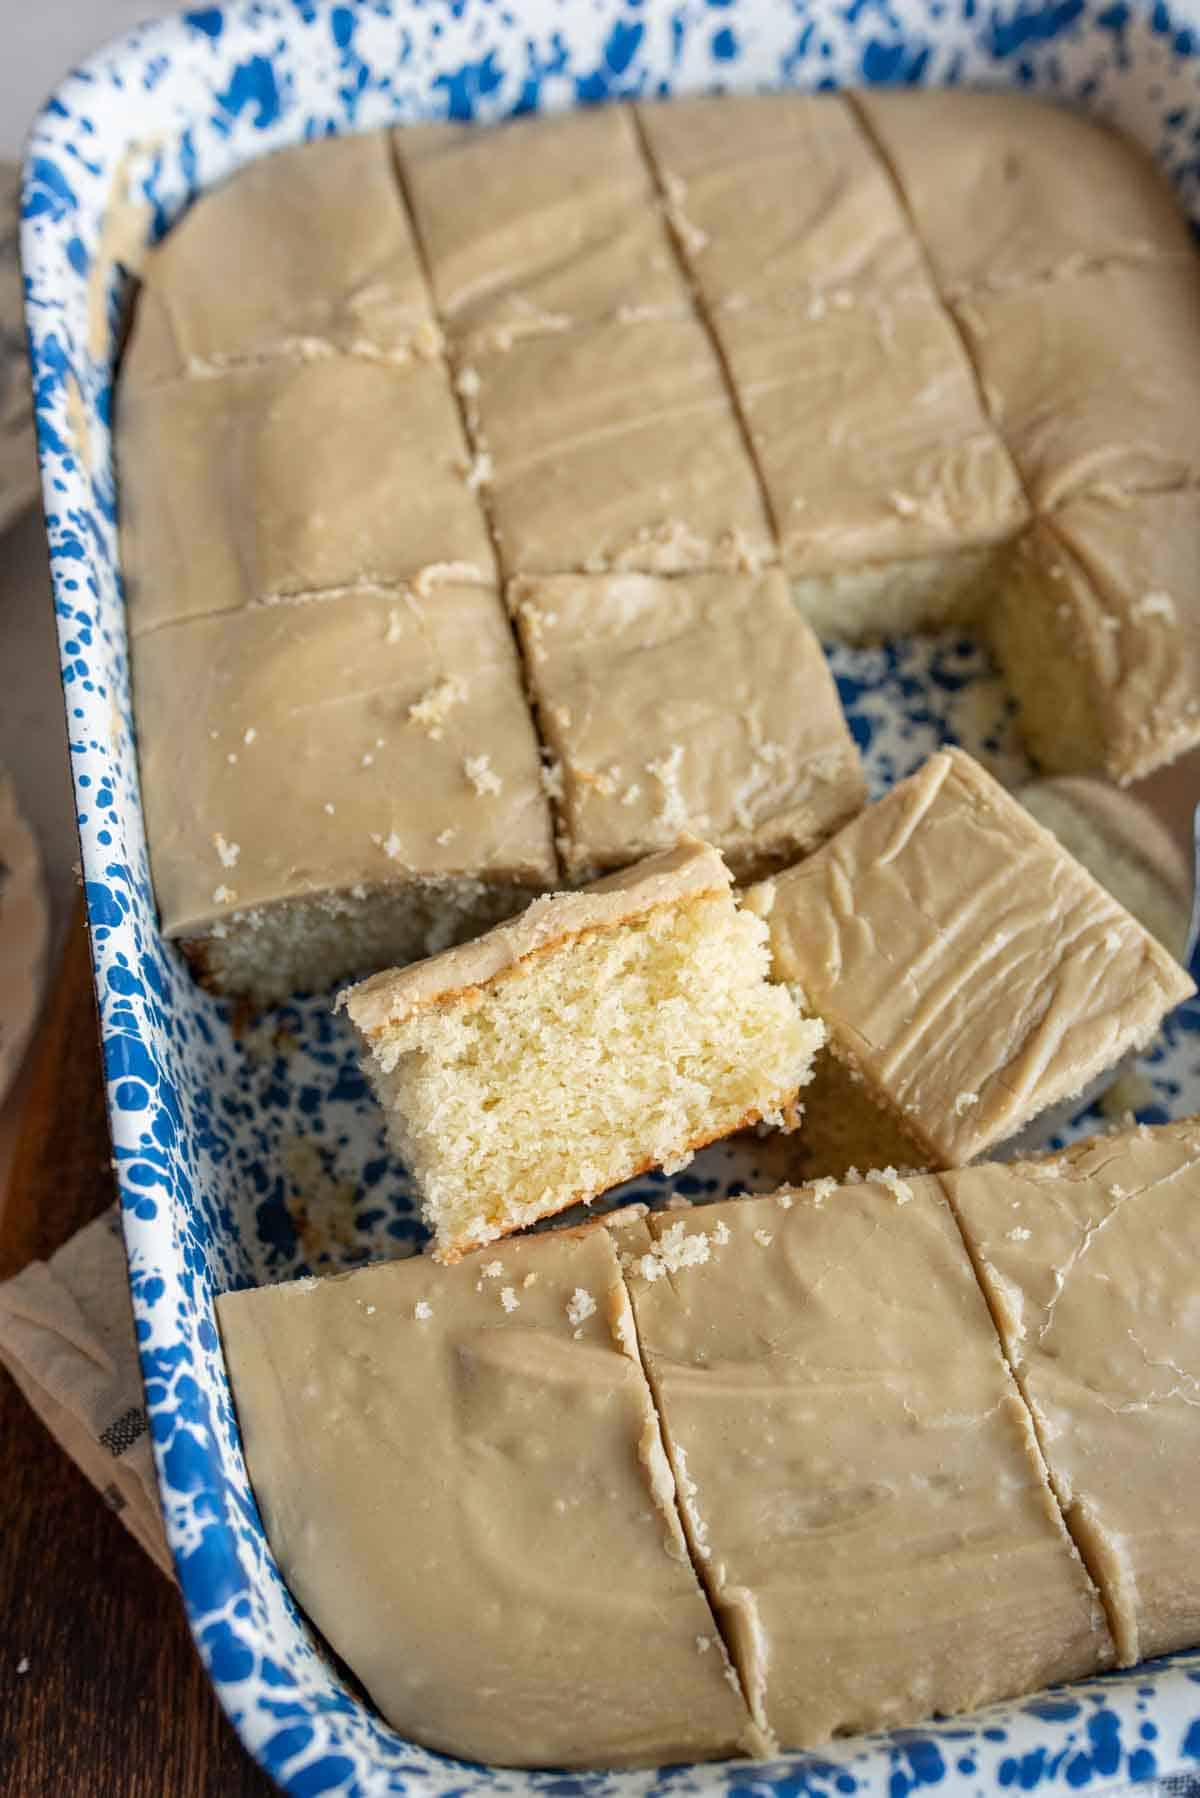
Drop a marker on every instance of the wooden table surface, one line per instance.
(114, 1703)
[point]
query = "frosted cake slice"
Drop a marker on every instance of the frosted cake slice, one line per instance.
(701, 702)
(1098, 632)
(601, 1034)
(970, 974)
(1091, 1263)
(632, 457)
(1003, 187)
(307, 253)
(891, 492)
(1038, 351)
(463, 1482)
(337, 785)
(780, 201)
(544, 223)
(285, 480)
(861, 1485)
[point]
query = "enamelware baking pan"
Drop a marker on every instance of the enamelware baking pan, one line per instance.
(257, 1155)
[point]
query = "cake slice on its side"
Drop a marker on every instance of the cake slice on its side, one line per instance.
(967, 968)
(601, 1034)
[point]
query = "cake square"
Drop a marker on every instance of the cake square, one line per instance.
(329, 784)
(517, 1591)
(699, 702)
(1003, 187)
(1098, 632)
(286, 479)
(616, 448)
(871, 438)
(862, 1489)
(1039, 352)
(965, 967)
(1091, 1263)
(543, 223)
(601, 1034)
(780, 201)
(305, 252)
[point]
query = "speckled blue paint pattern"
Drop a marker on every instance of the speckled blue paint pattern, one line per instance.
(217, 1136)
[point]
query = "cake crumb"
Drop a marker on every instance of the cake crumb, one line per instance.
(785, 1200)
(228, 852)
(673, 1250)
(432, 709)
(551, 775)
(580, 1306)
(763, 1238)
(1018, 1234)
(529, 1280)
(392, 846)
(478, 770)
(703, 1644)
(965, 1102)
(1155, 605)
(900, 1190)
(249, 735)
(367, 760)
(223, 895)
(370, 1310)
(479, 471)
(422, 1310)
(330, 807)
(632, 794)
(721, 1233)
(446, 836)
(231, 758)
(672, 811)
(822, 1188)
(509, 1299)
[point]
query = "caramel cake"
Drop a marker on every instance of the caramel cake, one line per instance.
(728, 346)
(970, 973)
(602, 1033)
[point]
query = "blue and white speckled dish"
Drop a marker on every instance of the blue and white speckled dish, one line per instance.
(216, 1139)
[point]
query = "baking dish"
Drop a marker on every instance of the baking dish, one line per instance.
(257, 1155)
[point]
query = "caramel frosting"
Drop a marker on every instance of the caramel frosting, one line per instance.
(285, 479)
(861, 1485)
(780, 200)
(870, 433)
(740, 736)
(305, 252)
(544, 223)
(962, 962)
(463, 1482)
(1006, 191)
(1091, 1264)
(297, 749)
(1091, 379)
(628, 455)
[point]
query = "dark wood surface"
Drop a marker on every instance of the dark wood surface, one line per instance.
(114, 1703)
